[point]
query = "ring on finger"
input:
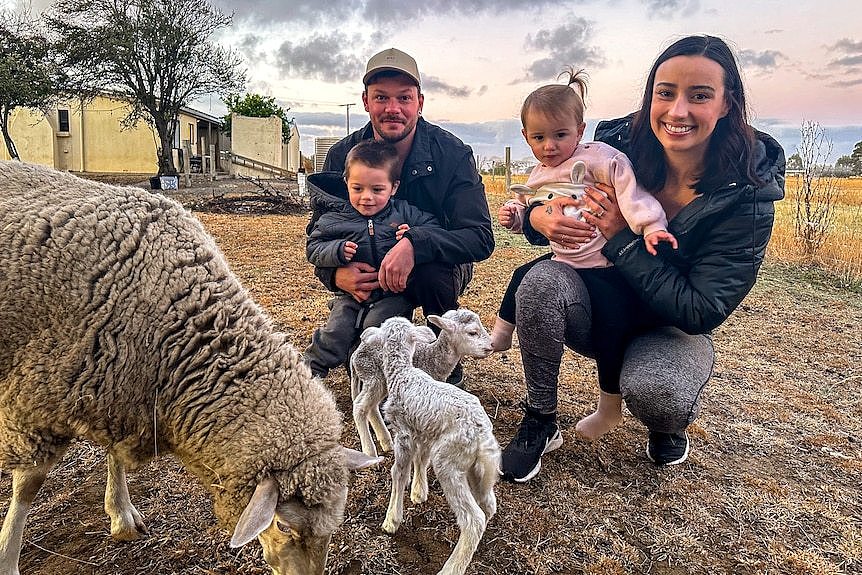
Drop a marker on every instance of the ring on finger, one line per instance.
(600, 213)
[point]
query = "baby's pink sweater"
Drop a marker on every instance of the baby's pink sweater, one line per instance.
(606, 165)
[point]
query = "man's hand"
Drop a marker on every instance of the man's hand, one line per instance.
(396, 267)
(358, 279)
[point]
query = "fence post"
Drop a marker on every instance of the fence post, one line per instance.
(187, 163)
(508, 168)
(212, 163)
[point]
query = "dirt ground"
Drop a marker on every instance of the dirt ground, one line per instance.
(772, 484)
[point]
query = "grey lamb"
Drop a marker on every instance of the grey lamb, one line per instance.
(121, 323)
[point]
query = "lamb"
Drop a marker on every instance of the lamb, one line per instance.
(121, 323)
(461, 335)
(437, 422)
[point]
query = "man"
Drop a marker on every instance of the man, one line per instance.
(430, 267)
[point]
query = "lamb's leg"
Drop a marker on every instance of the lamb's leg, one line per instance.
(400, 476)
(482, 476)
(126, 523)
(361, 417)
(376, 419)
(471, 519)
(419, 489)
(25, 486)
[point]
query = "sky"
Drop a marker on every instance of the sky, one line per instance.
(801, 61)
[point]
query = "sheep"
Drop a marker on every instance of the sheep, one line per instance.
(121, 324)
(438, 423)
(461, 335)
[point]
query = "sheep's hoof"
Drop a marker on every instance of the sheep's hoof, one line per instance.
(419, 496)
(129, 528)
(390, 526)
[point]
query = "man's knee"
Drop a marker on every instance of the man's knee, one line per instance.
(435, 286)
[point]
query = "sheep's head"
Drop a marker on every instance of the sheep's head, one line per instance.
(295, 536)
(466, 331)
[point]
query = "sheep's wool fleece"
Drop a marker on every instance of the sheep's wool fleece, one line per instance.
(120, 322)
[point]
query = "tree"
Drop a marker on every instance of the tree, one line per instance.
(816, 193)
(856, 156)
(29, 77)
(157, 54)
(794, 162)
(845, 165)
(257, 106)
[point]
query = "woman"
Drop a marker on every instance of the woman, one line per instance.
(716, 178)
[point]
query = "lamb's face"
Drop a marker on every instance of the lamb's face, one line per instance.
(297, 541)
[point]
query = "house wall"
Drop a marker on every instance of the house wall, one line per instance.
(96, 140)
(32, 135)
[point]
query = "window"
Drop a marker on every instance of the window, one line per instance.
(63, 117)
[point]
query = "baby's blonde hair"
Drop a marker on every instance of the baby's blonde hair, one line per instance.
(559, 101)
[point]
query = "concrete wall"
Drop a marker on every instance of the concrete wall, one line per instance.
(258, 139)
(33, 137)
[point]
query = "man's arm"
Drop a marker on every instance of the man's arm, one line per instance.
(466, 235)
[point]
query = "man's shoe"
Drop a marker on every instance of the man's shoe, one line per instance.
(667, 448)
(456, 378)
(538, 434)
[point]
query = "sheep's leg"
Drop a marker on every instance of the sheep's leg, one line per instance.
(25, 485)
(126, 523)
(400, 476)
(419, 489)
(471, 519)
(380, 430)
(361, 417)
(482, 476)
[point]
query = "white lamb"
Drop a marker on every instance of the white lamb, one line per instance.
(437, 422)
(461, 335)
(121, 323)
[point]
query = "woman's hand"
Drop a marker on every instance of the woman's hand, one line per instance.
(604, 213)
(549, 220)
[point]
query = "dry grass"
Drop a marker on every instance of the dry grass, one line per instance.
(772, 484)
(841, 254)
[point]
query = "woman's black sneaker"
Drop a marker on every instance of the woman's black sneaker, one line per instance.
(667, 448)
(537, 435)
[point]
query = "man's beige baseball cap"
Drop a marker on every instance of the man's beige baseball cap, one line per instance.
(393, 60)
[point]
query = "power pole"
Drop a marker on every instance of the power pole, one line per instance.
(348, 115)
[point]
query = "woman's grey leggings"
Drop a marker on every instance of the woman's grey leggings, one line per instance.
(664, 370)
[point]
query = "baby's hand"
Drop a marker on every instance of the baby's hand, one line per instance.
(400, 232)
(506, 215)
(349, 250)
(652, 240)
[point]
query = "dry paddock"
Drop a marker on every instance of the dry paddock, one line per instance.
(772, 484)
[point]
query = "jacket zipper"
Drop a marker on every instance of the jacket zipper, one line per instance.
(373, 243)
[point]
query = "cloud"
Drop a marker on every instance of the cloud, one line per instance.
(847, 62)
(312, 12)
(671, 8)
(567, 45)
(436, 85)
(764, 60)
(331, 57)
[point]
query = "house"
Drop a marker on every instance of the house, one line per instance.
(91, 138)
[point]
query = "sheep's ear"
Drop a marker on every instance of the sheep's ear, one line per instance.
(358, 460)
(370, 334)
(424, 334)
(258, 514)
(441, 322)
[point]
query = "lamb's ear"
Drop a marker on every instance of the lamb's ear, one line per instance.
(370, 334)
(258, 514)
(424, 333)
(358, 460)
(441, 322)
